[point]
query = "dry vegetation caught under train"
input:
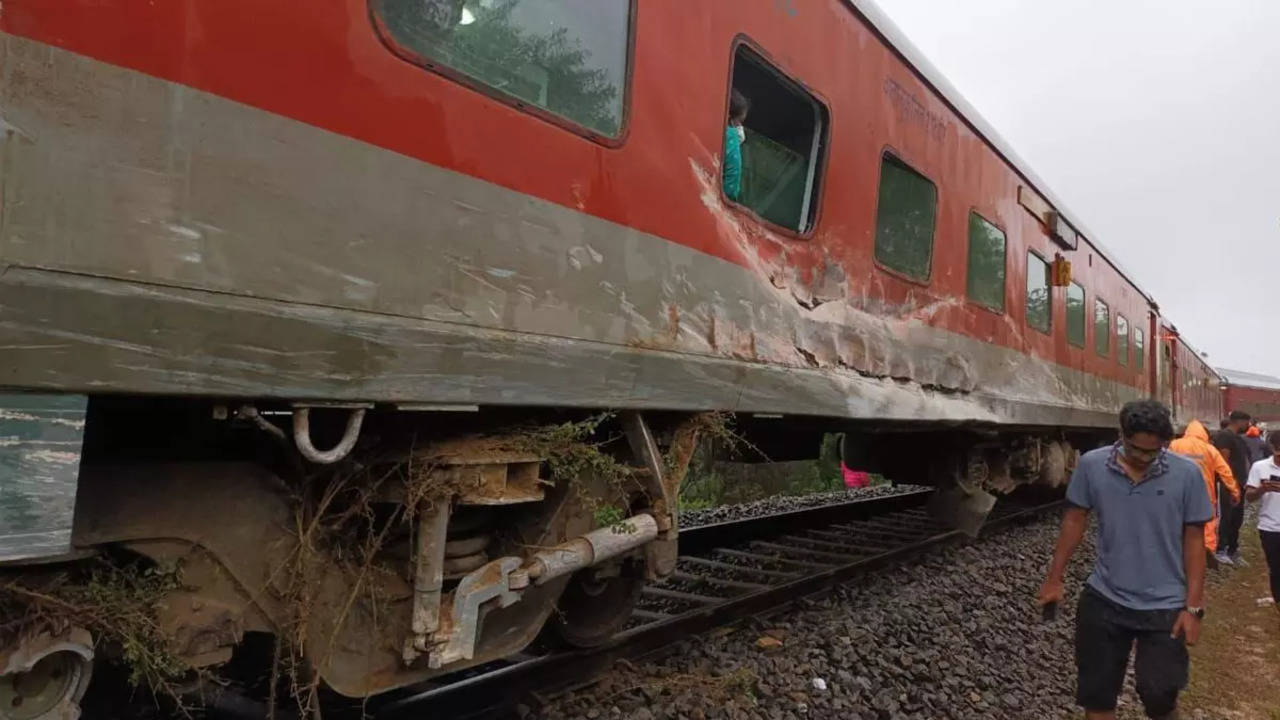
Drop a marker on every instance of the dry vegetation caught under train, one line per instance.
(445, 553)
(422, 552)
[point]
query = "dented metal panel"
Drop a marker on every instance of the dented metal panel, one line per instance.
(40, 439)
(165, 240)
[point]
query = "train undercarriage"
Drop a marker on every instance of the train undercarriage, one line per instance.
(279, 555)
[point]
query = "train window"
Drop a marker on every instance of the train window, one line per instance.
(1102, 328)
(1039, 301)
(905, 216)
(1139, 348)
(986, 263)
(1075, 315)
(782, 151)
(1122, 340)
(568, 58)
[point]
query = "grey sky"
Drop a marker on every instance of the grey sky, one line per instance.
(1158, 123)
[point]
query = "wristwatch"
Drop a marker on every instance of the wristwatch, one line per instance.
(1197, 611)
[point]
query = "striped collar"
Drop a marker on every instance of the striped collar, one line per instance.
(1158, 467)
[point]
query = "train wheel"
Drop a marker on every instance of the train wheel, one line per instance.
(597, 603)
(48, 688)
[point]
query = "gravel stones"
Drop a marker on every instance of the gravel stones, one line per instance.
(786, 503)
(954, 634)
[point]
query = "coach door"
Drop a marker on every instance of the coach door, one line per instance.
(1168, 371)
(1156, 380)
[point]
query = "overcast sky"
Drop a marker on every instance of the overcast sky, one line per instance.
(1158, 123)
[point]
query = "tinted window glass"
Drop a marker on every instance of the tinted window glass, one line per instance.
(1122, 340)
(1075, 315)
(1039, 308)
(986, 263)
(782, 151)
(904, 219)
(1102, 328)
(568, 57)
(1139, 348)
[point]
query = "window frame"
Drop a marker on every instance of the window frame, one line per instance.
(821, 159)
(1128, 336)
(889, 152)
(968, 252)
(1084, 308)
(1026, 318)
(1139, 355)
(388, 40)
(1110, 327)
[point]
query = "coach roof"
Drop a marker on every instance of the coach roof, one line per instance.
(935, 79)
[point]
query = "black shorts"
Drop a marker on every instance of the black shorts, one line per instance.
(1105, 635)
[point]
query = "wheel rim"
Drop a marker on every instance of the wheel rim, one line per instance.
(592, 609)
(43, 690)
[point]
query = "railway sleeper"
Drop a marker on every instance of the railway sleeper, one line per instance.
(741, 569)
(788, 551)
(696, 580)
(870, 543)
(775, 559)
(847, 546)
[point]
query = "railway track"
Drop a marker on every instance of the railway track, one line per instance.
(726, 572)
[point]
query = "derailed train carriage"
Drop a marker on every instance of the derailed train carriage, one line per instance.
(379, 266)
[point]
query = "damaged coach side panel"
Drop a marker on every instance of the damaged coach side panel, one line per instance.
(561, 284)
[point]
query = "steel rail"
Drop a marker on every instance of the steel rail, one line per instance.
(488, 691)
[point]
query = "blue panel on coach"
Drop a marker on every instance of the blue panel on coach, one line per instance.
(40, 442)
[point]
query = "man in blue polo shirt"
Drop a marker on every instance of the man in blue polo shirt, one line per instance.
(1147, 587)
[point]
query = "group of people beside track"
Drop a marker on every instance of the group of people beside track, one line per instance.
(1167, 505)
(1225, 460)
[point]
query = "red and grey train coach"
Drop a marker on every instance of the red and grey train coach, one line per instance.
(1186, 382)
(251, 251)
(1254, 393)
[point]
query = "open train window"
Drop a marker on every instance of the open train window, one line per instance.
(1075, 314)
(568, 57)
(783, 145)
(1102, 328)
(986, 263)
(1039, 300)
(1122, 340)
(905, 214)
(1139, 348)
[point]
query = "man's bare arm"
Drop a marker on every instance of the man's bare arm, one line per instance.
(1074, 521)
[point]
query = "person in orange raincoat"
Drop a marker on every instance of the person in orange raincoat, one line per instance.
(1195, 446)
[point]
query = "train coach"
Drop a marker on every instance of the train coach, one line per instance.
(1253, 393)
(332, 313)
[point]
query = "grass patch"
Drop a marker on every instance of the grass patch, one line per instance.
(738, 684)
(1239, 648)
(1233, 665)
(707, 486)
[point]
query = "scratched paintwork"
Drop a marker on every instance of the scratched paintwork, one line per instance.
(320, 192)
(254, 249)
(187, 211)
(40, 438)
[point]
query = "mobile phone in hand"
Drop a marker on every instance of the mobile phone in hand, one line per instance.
(1049, 611)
